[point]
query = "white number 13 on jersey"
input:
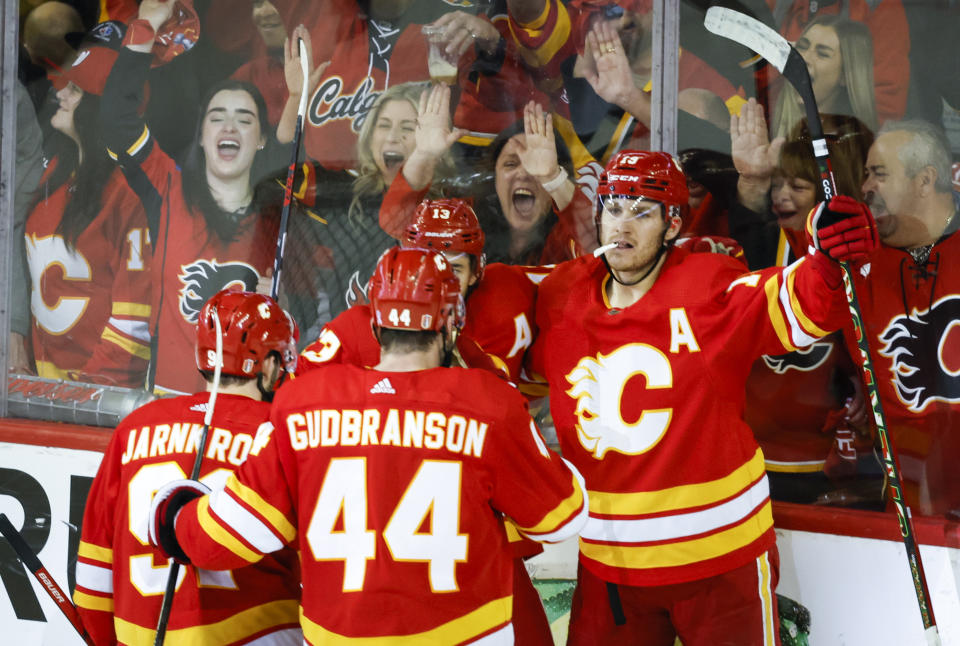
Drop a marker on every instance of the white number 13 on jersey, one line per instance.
(434, 491)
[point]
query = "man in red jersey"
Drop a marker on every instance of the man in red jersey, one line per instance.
(393, 483)
(910, 299)
(120, 579)
(680, 537)
(495, 337)
(501, 297)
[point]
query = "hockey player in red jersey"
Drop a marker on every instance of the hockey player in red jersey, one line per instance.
(392, 483)
(647, 350)
(500, 297)
(120, 579)
(497, 332)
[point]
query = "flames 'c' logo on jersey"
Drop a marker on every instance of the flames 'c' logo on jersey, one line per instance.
(805, 359)
(203, 278)
(598, 384)
(924, 349)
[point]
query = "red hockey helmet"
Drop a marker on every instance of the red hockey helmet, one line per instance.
(654, 176)
(414, 289)
(447, 225)
(252, 325)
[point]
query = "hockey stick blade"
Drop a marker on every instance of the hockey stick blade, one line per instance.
(777, 51)
(749, 32)
(32, 562)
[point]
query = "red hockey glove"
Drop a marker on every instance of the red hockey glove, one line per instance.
(166, 505)
(844, 229)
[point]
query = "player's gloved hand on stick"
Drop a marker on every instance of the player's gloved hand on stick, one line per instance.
(164, 508)
(844, 229)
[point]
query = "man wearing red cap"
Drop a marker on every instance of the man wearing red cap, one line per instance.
(647, 350)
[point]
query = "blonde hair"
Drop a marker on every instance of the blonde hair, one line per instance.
(856, 53)
(369, 179)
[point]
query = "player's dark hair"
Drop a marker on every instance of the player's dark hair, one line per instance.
(90, 171)
(196, 191)
(401, 341)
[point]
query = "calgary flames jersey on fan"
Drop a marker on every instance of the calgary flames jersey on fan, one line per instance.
(121, 579)
(91, 301)
(910, 313)
(388, 484)
(366, 57)
(191, 263)
(648, 404)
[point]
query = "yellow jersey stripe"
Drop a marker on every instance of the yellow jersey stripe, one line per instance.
(132, 347)
(769, 622)
(230, 630)
(735, 104)
(95, 552)
(90, 602)
(215, 531)
(273, 515)
(680, 497)
(130, 309)
(578, 152)
(772, 289)
(559, 514)
(540, 20)
(456, 631)
(808, 326)
(796, 467)
(140, 142)
(682, 552)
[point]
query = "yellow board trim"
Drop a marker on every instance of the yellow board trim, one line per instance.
(95, 552)
(90, 602)
(809, 326)
(222, 536)
(555, 518)
(131, 309)
(678, 498)
(273, 515)
(132, 347)
(684, 552)
(230, 630)
(456, 631)
(772, 290)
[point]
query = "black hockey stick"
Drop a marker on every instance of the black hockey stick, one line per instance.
(779, 53)
(291, 172)
(167, 604)
(30, 559)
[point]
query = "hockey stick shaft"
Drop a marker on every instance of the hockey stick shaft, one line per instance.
(167, 604)
(291, 174)
(32, 562)
(769, 44)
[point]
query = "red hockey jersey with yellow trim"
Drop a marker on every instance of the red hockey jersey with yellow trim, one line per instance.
(911, 315)
(648, 404)
(91, 301)
(392, 485)
(500, 313)
(121, 579)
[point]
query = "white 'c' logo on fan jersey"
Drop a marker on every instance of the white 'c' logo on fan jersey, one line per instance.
(598, 384)
(46, 253)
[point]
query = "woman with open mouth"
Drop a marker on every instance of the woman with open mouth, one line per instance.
(529, 206)
(206, 227)
(337, 235)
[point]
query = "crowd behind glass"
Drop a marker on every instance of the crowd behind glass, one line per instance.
(161, 175)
